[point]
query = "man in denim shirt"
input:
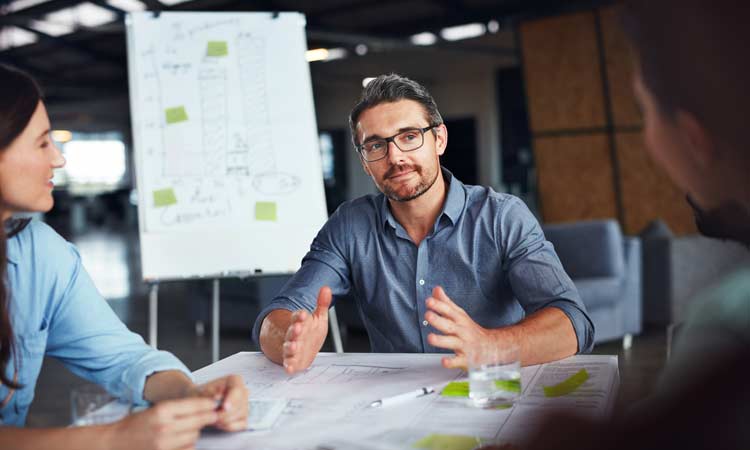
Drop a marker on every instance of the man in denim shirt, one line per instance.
(434, 264)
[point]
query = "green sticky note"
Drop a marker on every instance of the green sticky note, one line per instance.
(164, 197)
(448, 442)
(265, 211)
(566, 387)
(508, 385)
(176, 114)
(456, 389)
(217, 48)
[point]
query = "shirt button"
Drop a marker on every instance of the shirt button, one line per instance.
(425, 323)
(421, 282)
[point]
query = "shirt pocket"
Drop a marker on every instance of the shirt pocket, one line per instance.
(31, 348)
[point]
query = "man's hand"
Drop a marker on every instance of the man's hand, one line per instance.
(233, 395)
(306, 334)
(460, 332)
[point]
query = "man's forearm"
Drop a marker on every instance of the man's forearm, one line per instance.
(272, 333)
(544, 336)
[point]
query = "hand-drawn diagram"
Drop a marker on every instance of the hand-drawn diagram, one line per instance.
(206, 123)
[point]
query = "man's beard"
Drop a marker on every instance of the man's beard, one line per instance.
(728, 221)
(421, 187)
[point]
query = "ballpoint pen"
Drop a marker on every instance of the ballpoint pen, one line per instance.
(388, 401)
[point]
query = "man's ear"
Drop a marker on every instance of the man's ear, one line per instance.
(697, 139)
(364, 166)
(441, 139)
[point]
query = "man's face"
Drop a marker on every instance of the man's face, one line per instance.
(402, 176)
(718, 216)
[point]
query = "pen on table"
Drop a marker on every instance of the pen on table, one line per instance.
(388, 401)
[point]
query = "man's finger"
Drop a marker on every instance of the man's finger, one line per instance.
(454, 362)
(325, 297)
(446, 342)
(443, 308)
(445, 326)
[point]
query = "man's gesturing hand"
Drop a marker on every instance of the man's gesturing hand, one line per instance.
(460, 332)
(306, 334)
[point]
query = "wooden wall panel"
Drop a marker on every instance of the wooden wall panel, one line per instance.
(619, 62)
(575, 178)
(647, 192)
(562, 73)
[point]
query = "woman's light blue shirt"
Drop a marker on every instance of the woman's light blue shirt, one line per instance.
(57, 311)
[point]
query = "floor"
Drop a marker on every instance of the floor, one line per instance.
(112, 259)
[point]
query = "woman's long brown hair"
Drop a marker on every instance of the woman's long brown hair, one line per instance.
(19, 97)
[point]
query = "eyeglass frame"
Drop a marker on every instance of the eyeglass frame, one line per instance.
(358, 147)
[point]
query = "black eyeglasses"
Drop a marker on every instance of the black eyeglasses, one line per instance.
(406, 141)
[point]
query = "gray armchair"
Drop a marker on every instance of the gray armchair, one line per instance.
(606, 268)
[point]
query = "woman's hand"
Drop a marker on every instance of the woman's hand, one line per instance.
(169, 425)
(231, 397)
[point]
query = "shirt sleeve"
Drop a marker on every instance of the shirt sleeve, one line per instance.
(326, 264)
(87, 336)
(536, 274)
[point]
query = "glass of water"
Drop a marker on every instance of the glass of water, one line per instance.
(494, 375)
(92, 405)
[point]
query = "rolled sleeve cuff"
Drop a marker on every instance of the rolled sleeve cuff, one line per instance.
(281, 303)
(582, 325)
(134, 378)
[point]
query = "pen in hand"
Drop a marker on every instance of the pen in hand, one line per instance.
(388, 401)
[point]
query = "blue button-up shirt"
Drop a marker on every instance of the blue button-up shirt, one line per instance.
(486, 250)
(56, 310)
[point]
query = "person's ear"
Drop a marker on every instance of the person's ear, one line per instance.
(441, 138)
(364, 165)
(700, 145)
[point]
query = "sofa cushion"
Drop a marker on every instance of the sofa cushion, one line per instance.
(597, 292)
(588, 249)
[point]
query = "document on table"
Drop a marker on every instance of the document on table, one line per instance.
(327, 406)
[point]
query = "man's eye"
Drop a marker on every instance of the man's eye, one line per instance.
(375, 146)
(410, 136)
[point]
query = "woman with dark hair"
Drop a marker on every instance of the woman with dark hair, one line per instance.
(50, 306)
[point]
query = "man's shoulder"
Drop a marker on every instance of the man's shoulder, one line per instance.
(365, 207)
(487, 197)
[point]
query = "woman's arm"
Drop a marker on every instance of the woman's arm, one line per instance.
(174, 424)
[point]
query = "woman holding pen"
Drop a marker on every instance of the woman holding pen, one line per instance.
(49, 306)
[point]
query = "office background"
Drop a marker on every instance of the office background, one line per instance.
(537, 99)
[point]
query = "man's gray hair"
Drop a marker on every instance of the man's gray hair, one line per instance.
(392, 88)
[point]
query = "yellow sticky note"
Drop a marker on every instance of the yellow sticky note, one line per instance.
(566, 387)
(176, 114)
(509, 385)
(217, 48)
(164, 197)
(448, 442)
(456, 389)
(265, 211)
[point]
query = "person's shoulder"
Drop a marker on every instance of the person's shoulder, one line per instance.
(364, 208)
(486, 196)
(36, 237)
(725, 304)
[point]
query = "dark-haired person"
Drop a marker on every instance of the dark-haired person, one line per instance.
(434, 264)
(49, 306)
(691, 80)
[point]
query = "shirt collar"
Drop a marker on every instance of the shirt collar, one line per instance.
(454, 202)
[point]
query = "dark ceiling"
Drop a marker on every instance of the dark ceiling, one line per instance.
(91, 62)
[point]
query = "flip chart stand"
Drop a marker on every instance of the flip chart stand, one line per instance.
(153, 318)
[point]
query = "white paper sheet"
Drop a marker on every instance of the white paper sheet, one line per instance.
(328, 405)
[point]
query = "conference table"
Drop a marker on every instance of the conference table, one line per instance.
(329, 407)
